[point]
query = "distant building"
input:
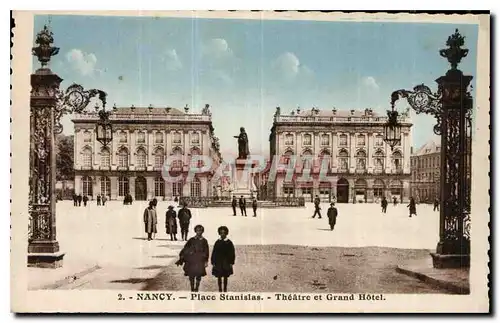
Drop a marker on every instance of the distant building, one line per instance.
(142, 140)
(363, 166)
(425, 172)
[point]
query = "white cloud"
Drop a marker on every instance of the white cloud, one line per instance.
(172, 60)
(289, 66)
(217, 48)
(85, 63)
(370, 82)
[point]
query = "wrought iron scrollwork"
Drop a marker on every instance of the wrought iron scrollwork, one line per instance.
(422, 100)
(75, 100)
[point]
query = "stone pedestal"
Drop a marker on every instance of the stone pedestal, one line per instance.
(243, 180)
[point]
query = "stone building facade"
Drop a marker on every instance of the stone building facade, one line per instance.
(361, 167)
(425, 172)
(133, 162)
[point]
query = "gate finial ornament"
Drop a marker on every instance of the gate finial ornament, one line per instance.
(44, 51)
(454, 53)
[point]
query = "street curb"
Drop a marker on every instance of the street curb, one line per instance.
(70, 279)
(450, 286)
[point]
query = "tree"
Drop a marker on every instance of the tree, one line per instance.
(64, 158)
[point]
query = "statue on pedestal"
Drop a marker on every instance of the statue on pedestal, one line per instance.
(243, 151)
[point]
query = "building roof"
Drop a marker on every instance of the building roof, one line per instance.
(143, 110)
(340, 113)
(429, 147)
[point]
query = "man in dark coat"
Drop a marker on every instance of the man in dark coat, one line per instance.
(317, 208)
(79, 199)
(436, 205)
(98, 199)
(104, 199)
(75, 200)
(332, 215)
(384, 205)
(243, 206)
(233, 204)
(412, 207)
(254, 207)
(85, 200)
(395, 201)
(184, 216)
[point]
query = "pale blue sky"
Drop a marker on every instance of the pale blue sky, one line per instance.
(245, 68)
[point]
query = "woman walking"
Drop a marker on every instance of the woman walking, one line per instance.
(194, 257)
(223, 257)
(150, 220)
(171, 223)
(413, 207)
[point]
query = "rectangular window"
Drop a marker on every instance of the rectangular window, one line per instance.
(343, 140)
(361, 140)
(287, 190)
(289, 140)
(177, 138)
(325, 140)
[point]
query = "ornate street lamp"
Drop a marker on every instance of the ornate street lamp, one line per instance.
(451, 105)
(392, 129)
(104, 129)
(47, 105)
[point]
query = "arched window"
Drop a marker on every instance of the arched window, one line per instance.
(123, 158)
(87, 157)
(361, 160)
(396, 161)
(195, 187)
(177, 188)
(141, 159)
(379, 141)
(325, 140)
(176, 164)
(105, 186)
(343, 160)
(141, 137)
(87, 186)
(306, 140)
(378, 188)
(324, 158)
(158, 137)
(105, 157)
(287, 157)
(159, 186)
(379, 161)
(307, 159)
(289, 139)
(196, 152)
(343, 140)
(159, 158)
(123, 186)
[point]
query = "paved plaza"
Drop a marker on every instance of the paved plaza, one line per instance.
(296, 252)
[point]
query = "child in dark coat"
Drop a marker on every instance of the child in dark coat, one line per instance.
(223, 257)
(194, 257)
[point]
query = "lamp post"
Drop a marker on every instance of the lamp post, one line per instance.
(452, 108)
(47, 105)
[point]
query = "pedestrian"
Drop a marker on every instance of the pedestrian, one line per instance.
(317, 208)
(184, 219)
(194, 258)
(384, 205)
(176, 199)
(85, 200)
(104, 199)
(412, 206)
(436, 204)
(394, 201)
(233, 204)
(98, 198)
(150, 220)
(171, 223)
(332, 215)
(243, 206)
(75, 200)
(79, 199)
(155, 202)
(254, 207)
(223, 256)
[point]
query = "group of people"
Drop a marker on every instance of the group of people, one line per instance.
(78, 199)
(331, 213)
(101, 200)
(194, 256)
(242, 203)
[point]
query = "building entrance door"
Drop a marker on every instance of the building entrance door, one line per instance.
(342, 191)
(141, 189)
